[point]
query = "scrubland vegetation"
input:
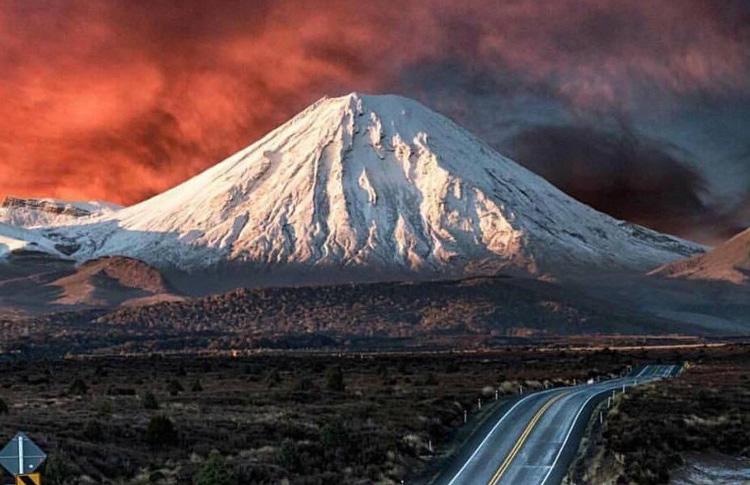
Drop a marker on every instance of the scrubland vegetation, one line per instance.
(469, 313)
(305, 418)
(648, 432)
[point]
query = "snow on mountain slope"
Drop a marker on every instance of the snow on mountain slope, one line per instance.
(360, 182)
(17, 239)
(50, 212)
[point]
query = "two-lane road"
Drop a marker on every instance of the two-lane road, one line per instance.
(534, 441)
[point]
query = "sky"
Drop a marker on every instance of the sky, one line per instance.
(638, 108)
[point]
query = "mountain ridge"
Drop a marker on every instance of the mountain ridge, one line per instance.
(35, 212)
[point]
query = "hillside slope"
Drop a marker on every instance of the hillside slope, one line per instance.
(489, 306)
(729, 261)
(34, 283)
(111, 281)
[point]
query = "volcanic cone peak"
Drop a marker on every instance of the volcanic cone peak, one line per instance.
(371, 182)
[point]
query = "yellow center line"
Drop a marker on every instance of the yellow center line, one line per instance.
(522, 439)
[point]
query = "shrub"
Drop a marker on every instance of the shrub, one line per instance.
(78, 388)
(335, 379)
(197, 387)
(104, 407)
(161, 432)
(273, 378)
(215, 471)
(430, 380)
(304, 384)
(93, 431)
(156, 477)
(174, 387)
(288, 454)
(149, 401)
(57, 469)
(334, 435)
(120, 391)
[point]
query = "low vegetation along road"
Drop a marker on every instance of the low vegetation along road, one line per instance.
(534, 441)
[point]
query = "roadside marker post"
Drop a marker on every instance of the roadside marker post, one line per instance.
(30, 479)
(21, 457)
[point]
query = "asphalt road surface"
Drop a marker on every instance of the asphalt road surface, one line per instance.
(534, 440)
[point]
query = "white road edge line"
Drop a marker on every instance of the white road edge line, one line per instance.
(570, 431)
(500, 421)
(567, 436)
(495, 427)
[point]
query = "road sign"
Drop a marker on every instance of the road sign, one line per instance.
(30, 479)
(21, 456)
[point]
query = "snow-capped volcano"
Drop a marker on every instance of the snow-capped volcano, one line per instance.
(370, 182)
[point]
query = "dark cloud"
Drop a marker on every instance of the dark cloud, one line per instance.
(120, 100)
(625, 175)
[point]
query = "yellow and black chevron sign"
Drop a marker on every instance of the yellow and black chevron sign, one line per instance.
(30, 479)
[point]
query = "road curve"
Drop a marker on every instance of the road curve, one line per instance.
(534, 441)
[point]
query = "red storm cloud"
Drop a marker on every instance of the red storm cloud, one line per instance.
(121, 100)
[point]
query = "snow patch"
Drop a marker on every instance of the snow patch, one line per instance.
(14, 239)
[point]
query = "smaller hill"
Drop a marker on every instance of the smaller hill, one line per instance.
(491, 306)
(38, 282)
(728, 262)
(111, 281)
